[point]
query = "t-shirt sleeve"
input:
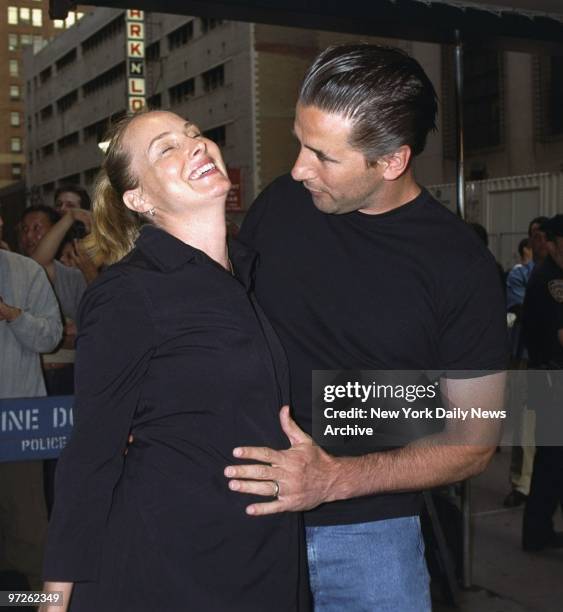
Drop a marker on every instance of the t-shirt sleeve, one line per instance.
(114, 345)
(473, 320)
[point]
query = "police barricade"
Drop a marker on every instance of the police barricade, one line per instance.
(34, 428)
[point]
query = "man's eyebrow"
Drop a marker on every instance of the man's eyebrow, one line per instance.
(317, 152)
(321, 154)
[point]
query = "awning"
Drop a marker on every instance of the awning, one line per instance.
(525, 25)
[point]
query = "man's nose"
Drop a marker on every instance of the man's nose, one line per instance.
(301, 170)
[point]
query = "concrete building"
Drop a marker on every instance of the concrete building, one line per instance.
(23, 24)
(238, 82)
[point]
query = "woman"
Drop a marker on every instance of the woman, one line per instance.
(173, 350)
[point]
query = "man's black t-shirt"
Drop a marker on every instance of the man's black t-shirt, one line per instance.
(412, 288)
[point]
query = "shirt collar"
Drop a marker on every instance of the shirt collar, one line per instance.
(166, 251)
(169, 253)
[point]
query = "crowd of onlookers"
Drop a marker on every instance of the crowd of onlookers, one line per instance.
(40, 289)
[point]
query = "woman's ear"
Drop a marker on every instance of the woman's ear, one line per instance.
(135, 201)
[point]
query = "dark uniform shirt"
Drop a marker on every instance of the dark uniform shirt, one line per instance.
(543, 315)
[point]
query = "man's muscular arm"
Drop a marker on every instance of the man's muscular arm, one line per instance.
(308, 476)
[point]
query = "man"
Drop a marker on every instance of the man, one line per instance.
(543, 333)
(30, 324)
(69, 197)
(361, 269)
(532, 251)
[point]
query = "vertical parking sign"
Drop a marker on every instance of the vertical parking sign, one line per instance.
(136, 84)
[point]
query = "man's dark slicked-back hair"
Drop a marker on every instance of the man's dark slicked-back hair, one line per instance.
(384, 91)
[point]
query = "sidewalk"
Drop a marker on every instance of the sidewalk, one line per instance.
(505, 578)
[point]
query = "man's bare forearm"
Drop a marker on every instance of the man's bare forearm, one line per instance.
(430, 462)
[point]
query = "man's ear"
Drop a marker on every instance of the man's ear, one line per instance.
(135, 201)
(395, 164)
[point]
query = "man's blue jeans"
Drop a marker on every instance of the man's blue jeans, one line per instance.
(369, 567)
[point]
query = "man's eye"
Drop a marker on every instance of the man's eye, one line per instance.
(194, 135)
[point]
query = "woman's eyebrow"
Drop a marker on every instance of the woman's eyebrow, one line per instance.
(162, 135)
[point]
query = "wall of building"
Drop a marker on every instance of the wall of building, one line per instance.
(24, 24)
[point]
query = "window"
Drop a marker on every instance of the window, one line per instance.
(96, 131)
(16, 171)
(37, 17)
(71, 178)
(45, 75)
(66, 102)
(38, 43)
(65, 60)
(47, 150)
(15, 145)
(12, 15)
(153, 51)
(108, 31)
(15, 120)
(155, 101)
(549, 122)
(70, 20)
(12, 42)
(105, 79)
(14, 92)
(90, 175)
(25, 15)
(46, 112)
(217, 135)
(67, 141)
(181, 36)
(26, 40)
(483, 112)
(182, 91)
(482, 98)
(214, 78)
(209, 24)
(14, 68)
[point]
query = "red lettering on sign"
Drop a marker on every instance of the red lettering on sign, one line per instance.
(135, 49)
(135, 29)
(136, 104)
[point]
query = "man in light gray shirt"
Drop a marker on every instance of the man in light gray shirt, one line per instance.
(30, 324)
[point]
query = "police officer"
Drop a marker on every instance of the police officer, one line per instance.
(543, 331)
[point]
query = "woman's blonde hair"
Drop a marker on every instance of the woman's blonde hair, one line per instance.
(115, 228)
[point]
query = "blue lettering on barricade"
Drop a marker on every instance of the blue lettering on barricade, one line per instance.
(34, 428)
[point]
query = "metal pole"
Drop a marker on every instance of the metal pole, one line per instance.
(467, 539)
(460, 185)
(460, 179)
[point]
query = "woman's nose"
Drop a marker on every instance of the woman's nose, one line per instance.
(198, 148)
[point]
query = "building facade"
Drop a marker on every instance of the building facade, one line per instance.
(24, 24)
